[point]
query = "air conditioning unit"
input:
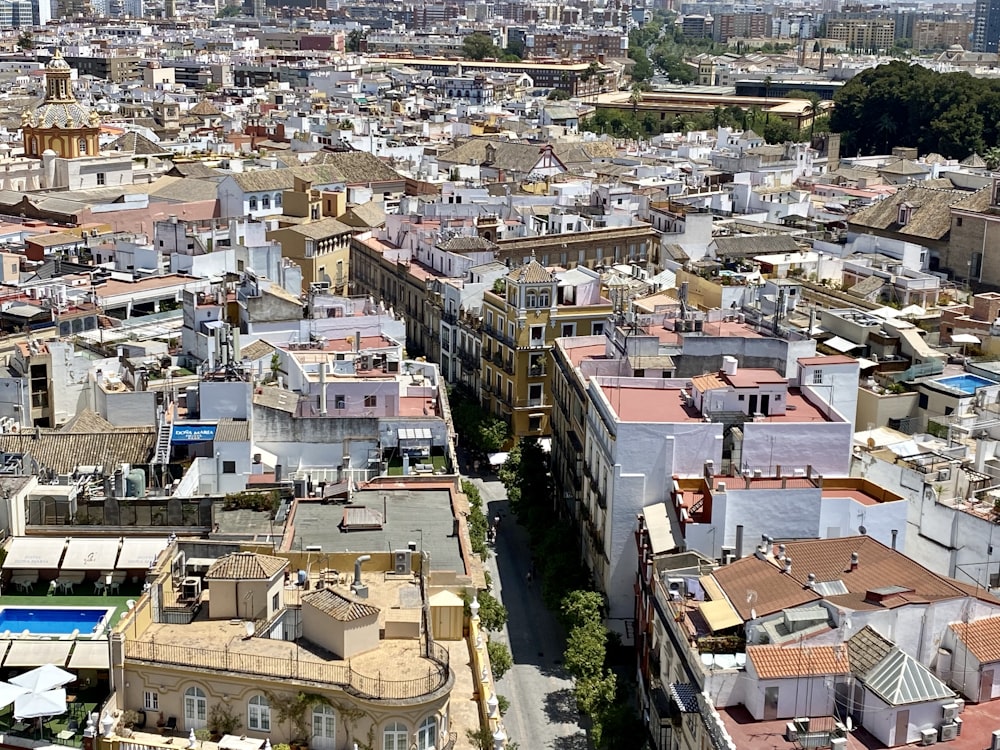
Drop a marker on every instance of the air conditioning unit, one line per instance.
(728, 555)
(191, 588)
(949, 732)
(995, 740)
(944, 475)
(928, 737)
(950, 711)
(958, 724)
(676, 588)
(838, 743)
(401, 562)
(791, 732)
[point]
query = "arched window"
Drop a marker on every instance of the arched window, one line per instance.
(253, 202)
(277, 200)
(324, 728)
(195, 708)
(34, 145)
(394, 736)
(427, 733)
(259, 714)
(82, 145)
(266, 202)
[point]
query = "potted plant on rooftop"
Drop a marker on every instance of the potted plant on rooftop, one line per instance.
(222, 720)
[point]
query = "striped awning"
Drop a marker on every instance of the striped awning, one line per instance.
(138, 553)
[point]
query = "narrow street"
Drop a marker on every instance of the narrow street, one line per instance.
(542, 711)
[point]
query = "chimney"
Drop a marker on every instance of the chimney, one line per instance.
(894, 533)
(709, 470)
(788, 565)
(781, 551)
(854, 561)
(739, 541)
(358, 587)
(720, 487)
(357, 341)
(811, 583)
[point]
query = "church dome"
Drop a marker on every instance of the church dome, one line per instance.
(58, 62)
(62, 115)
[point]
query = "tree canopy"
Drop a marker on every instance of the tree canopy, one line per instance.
(898, 104)
(479, 46)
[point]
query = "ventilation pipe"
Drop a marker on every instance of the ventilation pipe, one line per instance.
(854, 561)
(359, 589)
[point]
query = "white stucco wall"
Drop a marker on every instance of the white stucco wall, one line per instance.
(826, 446)
(807, 696)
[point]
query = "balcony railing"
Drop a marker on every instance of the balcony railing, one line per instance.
(536, 371)
(498, 335)
(311, 670)
(449, 317)
(508, 366)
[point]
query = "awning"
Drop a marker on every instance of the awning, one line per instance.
(138, 554)
(866, 363)
(965, 338)
(34, 553)
(711, 587)
(719, 615)
(658, 526)
(498, 459)
(90, 655)
(91, 554)
(234, 742)
(32, 653)
(841, 345)
(414, 434)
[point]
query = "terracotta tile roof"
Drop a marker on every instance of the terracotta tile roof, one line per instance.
(339, 606)
(930, 214)
(531, 272)
(830, 559)
(981, 637)
(246, 566)
(708, 382)
(64, 451)
(867, 650)
(775, 662)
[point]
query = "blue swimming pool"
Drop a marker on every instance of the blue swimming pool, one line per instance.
(53, 620)
(965, 383)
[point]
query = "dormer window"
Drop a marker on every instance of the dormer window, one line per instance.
(904, 213)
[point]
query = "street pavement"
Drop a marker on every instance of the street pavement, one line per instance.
(543, 713)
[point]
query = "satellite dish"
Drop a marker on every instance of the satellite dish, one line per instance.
(871, 443)
(249, 627)
(862, 530)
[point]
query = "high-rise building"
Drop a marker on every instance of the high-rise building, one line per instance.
(987, 30)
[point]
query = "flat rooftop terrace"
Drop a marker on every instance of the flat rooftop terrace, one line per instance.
(634, 402)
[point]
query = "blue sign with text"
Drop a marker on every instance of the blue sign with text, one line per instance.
(192, 433)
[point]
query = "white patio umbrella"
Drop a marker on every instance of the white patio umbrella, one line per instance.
(35, 705)
(45, 677)
(9, 692)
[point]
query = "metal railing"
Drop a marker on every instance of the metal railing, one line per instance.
(294, 668)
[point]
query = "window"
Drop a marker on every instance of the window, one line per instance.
(324, 727)
(530, 300)
(923, 401)
(427, 734)
(817, 377)
(568, 329)
(371, 402)
(151, 701)
(195, 708)
(534, 424)
(266, 201)
(259, 714)
(597, 329)
(276, 602)
(228, 467)
(340, 402)
(101, 178)
(253, 202)
(394, 737)
(958, 221)
(277, 200)
(537, 334)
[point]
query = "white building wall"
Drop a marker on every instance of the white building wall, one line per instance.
(807, 696)
(826, 446)
(844, 516)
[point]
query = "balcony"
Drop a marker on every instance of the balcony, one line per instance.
(449, 317)
(498, 335)
(536, 371)
(508, 366)
(536, 344)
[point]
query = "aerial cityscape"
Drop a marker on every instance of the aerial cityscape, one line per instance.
(485, 374)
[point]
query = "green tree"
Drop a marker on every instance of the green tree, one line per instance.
(992, 157)
(779, 131)
(26, 41)
(586, 649)
(354, 39)
(478, 46)
(492, 614)
(558, 95)
(230, 11)
(500, 658)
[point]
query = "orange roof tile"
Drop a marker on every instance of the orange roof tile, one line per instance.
(707, 382)
(775, 662)
(981, 637)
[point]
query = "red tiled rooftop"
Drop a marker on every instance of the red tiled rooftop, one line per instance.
(775, 662)
(982, 637)
(748, 377)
